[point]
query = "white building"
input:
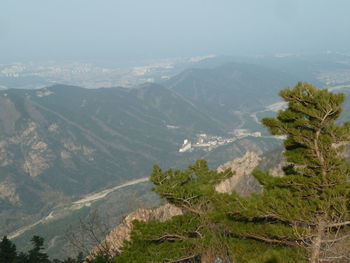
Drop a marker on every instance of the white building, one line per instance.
(186, 146)
(256, 134)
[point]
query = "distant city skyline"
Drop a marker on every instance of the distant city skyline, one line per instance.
(115, 30)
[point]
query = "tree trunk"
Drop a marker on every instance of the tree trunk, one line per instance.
(207, 257)
(317, 243)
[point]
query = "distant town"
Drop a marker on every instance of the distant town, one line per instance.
(209, 142)
(35, 75)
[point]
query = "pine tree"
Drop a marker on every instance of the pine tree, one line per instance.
(191, 237)
(22, 258)
(8, 251)
(35, 255)
(307, 210)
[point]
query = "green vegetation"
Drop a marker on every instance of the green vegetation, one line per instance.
(300, 217)
(183, 237)
(307, 209)
(8, 253)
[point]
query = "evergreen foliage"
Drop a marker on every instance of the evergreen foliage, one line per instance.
(98, 259)
(36, 255)
(307, 210)
(191, 237)
(8, 251)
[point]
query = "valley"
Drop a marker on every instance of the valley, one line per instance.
(60, 212)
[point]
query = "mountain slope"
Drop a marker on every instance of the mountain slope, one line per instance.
(232, 85)
(62, 142)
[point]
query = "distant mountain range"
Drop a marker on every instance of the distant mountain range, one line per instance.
(232, 86)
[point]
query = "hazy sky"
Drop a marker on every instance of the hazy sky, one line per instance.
(143, 29)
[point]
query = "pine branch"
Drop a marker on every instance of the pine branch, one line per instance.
(182, 259)
(345, 223)
(170, 237)
(336, 239)
(270, 240)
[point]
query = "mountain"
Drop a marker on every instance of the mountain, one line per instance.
(62, 142)
(321, 69)
(232, 85)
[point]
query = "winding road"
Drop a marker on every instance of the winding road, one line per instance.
(87, 200)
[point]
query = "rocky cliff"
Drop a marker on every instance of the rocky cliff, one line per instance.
(114, 240)
(243, 181)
